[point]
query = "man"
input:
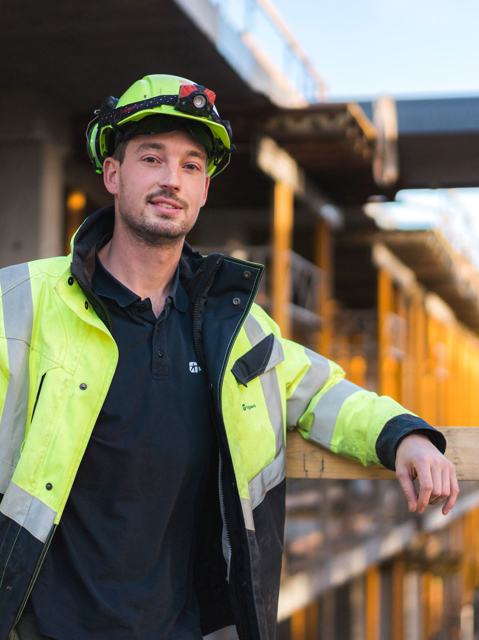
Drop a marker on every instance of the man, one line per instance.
(144, 403)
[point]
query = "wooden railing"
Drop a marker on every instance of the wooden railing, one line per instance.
(307, 460)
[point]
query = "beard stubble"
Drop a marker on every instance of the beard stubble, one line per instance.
(152, 232)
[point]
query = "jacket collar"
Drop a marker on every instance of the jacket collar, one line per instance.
(193, 267)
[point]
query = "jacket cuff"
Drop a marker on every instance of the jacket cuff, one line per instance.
(396, 429)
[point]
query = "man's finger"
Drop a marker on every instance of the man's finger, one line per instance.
(425, 485)
(408, 488)
(454, 490)
(446, 486)
(437, 473)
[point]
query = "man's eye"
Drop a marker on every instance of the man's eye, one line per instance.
(150, 159)
(193, 167)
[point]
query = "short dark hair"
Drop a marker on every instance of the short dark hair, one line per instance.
(120, 150)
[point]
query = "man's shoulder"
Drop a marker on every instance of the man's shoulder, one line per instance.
(264, 320)
(48, 268)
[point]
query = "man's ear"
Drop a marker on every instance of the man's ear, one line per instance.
(111, 175)
(205, 193)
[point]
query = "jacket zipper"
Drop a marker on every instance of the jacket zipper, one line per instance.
(35, 575)
(213, 420)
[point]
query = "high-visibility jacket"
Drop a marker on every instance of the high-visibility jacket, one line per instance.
(57, 360)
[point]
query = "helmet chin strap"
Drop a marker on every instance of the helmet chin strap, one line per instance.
(228, 154)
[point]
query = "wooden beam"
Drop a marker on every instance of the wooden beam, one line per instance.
(282, 244)
(307, 460)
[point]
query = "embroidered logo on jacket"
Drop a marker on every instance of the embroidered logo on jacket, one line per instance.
(194, 367)
(250, 406)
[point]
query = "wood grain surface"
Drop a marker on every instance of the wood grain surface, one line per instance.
(307, 460)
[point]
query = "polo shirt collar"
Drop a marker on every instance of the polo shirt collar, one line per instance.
(106, 285)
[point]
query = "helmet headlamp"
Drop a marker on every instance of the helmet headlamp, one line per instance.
(195, 100)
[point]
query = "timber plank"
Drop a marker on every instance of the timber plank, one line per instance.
(307, 460)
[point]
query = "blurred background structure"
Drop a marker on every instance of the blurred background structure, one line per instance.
(313, 192)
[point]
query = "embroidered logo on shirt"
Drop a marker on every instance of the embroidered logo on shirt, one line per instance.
(246, 406)
(194, 367)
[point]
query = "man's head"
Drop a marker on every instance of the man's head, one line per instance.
(158, 146)
(159, 182)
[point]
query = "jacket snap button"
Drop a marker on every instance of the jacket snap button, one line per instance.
(83, 386)
(86, 305)
(49, 486)
(70, 281)
(8, 589)
(247, 274)
(210, 386)
(236, 301)
(160, 353)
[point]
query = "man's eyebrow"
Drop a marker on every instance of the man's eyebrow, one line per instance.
(150, 145)
(159, 146)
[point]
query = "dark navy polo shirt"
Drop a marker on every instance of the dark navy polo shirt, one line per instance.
(121, 561)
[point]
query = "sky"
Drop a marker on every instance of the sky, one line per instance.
(403, 48)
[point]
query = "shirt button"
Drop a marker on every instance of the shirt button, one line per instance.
(49, 486)
(70, 281)
(141, 307)
(247, 274)
(83, 386)
(236, 301)
(160, 353)
(86, 304)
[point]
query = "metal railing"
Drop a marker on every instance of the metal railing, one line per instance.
(305, 279)
(266, 33)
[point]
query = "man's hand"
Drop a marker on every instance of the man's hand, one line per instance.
(417, 457)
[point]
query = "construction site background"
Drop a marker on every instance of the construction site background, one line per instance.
(306, 194)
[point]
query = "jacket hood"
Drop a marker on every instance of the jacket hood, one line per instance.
(193, 265)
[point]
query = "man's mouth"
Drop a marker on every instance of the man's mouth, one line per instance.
(165, 204)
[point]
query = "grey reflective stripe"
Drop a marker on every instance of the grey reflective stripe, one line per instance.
(327, 410)
(275, 471)
(269, 380)
(267, 479)
(272, 396)
(247, 513)
(28, 511)
(253, 330)
(18, 319)
(277, 354)
(313, 380)
(227, 633)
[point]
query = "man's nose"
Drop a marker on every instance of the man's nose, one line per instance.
(170, 176)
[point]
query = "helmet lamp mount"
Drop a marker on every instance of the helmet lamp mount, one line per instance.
(195, 100)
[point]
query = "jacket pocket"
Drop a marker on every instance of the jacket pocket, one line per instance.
(261, 358)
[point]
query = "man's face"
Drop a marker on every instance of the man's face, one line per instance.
(159, 187)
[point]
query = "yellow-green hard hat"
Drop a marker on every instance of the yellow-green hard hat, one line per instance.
(137, 111)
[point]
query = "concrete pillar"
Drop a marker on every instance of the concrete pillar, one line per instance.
(33, 143)
(328, 616)
(357, 603)
(412, 605)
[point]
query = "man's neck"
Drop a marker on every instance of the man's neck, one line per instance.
(145, 270)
